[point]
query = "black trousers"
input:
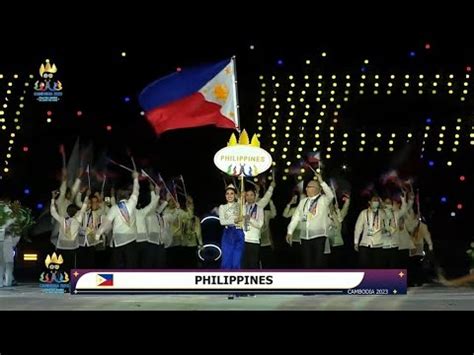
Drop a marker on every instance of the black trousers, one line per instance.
(416, 272)
(336, 258)
(403, 258)
(296, 256)
(125, 257)
(103, 258)
(156, 256)
(371, 258)
(151, 256)
(174, 257)
(86, 258)
(391, 259)
(143, 258)
(69, 259)
(251, 256)
(313, 253)
(267, 258)
(190, 259)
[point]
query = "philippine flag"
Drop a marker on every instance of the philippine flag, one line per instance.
(200, 96)
(105, 279)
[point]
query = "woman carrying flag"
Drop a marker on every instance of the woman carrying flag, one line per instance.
(233, 238)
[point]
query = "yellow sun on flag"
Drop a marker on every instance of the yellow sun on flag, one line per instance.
(221, 92)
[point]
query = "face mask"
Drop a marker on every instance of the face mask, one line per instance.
(389, 208)
(374, 204)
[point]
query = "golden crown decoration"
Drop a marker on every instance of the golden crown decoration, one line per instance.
(48, 68)
(243, 140)
(54, 259)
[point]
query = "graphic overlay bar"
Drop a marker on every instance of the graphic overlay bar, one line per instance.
(352, 282)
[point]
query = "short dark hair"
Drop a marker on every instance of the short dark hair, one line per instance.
(373, 194)
(123, 194)
(251, 188)
(72, 210)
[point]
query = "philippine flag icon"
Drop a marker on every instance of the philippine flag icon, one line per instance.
(105, 279)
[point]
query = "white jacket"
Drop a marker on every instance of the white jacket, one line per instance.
(255, 224)
(316, 224)
(123, 231)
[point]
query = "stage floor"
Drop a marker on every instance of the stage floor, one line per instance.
(430, 297)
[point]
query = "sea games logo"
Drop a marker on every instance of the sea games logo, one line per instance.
(47, 89)
(54, 280)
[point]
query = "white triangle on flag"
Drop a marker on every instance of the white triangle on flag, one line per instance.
(100, 280)
(222, 90)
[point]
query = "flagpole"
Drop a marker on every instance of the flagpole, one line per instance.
(166, 187)
(236, 102)
(242, 200)
(417, 197)
(335, 196)
(122, 166)
(133, 163)
(309, 166)
(149, 177)
(184, 186)
(103, 185)
(173, 183)
(89, 177)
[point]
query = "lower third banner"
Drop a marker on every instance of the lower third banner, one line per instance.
(353, 282)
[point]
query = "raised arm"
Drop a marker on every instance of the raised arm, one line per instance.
(289, 209)
(273, 210)
(79, 216)
(263, 202)
(344, 209)
(154, 199)
(132, 201)
(329, 195)
(106, 223)
(78, 199)
(77, 184)
(52, 207)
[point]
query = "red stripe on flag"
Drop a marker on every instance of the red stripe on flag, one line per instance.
(192, 111)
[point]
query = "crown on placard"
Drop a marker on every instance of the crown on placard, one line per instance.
(48, 68)
(243, 140)
(54, 259)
